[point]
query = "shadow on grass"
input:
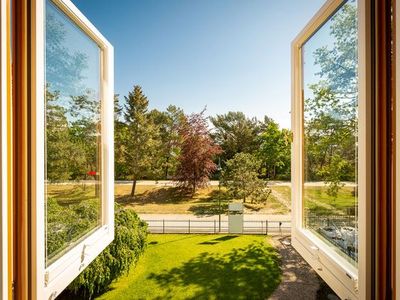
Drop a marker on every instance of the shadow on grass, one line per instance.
(220, 239)
(211, 208)
(208, 209)
(71, 194)
(167, 195)
(253, 206)
(248, 273)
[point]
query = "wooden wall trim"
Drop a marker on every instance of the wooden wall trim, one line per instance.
(20, 151)
(384, 151)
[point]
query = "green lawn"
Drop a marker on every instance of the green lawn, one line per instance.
(170, 200)
(179, 266)
(318, 201)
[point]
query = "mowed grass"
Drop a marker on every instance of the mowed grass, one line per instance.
(71, 193)
(318, 201)
(201, 267)
(283, 190)
(156, 199)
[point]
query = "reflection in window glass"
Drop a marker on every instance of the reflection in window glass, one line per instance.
(330, 132)
(72, 134)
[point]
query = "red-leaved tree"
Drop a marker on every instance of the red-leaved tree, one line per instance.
(196, 163)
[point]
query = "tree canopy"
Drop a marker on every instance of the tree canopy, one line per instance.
(198, 150)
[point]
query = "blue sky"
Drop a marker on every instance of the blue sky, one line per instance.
(228, 55)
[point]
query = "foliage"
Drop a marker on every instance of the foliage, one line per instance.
(339, 63)
(241, 178)
(129, 243)
(140, 137)
(120, 165)
(331, 112)
(63, 67)
(155, 138)
(72, 108)
(57, 140)
(274, 151)
(168, 123)
(197, 152)
(333, 174)
(235, 133)
(66, 224)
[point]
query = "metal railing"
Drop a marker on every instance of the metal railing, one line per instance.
(213, 226)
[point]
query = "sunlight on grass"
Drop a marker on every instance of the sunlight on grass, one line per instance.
(201, 267)
(318, 201)
(169, 200)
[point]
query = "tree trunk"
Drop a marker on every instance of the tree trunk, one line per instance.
(133, 188)
(97, 186)
(166, 169)
(194, 189)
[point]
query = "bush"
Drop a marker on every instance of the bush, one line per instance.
(67, 223)
(116, 259)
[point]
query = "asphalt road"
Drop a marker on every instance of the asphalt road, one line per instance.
(182, 223)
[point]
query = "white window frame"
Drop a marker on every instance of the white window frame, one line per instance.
(49, 282)
(4, 167)
(348, 281)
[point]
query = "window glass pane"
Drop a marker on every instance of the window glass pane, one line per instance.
(330, 132)
(72, 134)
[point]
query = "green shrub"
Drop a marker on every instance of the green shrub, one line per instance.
(67, 223)
(116, 259)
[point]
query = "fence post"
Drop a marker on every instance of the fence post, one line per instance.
(163, 226)
(266, 227)
(215, 227)
(280, 228)
(262, 225)
(189, 226)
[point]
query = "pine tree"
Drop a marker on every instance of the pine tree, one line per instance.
(140, 136)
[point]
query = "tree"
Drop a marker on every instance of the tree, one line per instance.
(339, 63)
(140, 137)
(274, 151)
(120, 163)
(240, 176)
(168, 123)
(85, 134)
(64, 67)
(235, 133)
(197, 153)
(330, 113)
(58, 145)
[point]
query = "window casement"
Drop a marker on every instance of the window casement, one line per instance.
(71, 121)
(331, 146)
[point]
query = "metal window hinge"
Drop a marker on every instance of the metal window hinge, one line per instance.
(53, 295)
(46, 278)
(355, 285)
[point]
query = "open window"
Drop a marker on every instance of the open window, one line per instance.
(329, 153)
(72, 138)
